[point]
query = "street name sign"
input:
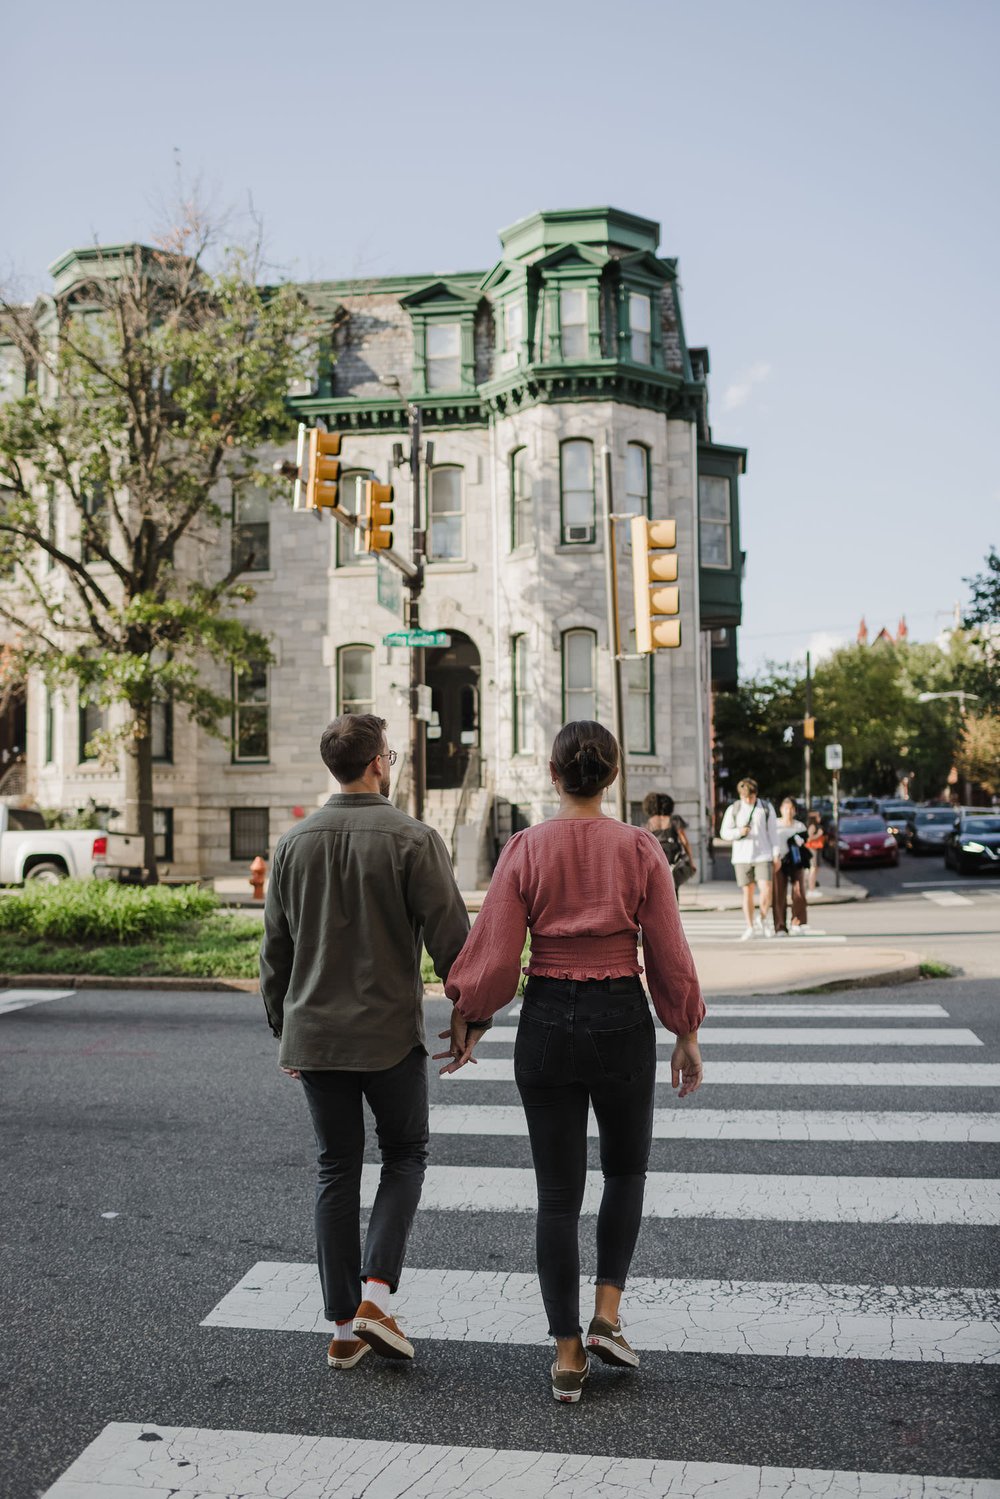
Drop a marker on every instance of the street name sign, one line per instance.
(835, 757)
(417, 637)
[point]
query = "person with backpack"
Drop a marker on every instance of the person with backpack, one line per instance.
(752, 828)
(790, 875)
(670, 831)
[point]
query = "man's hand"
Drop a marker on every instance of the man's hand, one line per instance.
(686, 1071)
(463, 1042)
(291, 1072)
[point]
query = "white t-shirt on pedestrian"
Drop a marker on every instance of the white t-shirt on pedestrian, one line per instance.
(786, 831)
(752, 830)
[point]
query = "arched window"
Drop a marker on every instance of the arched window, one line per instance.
(520, 499)
(356, 679)
(446, 514)
(576, 491)
(579, 660)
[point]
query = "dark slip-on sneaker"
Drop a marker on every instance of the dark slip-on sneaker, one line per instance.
(381, 1332)
(605, 1339)
(567, 1384)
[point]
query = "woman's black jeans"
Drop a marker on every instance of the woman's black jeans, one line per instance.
(582, 1042)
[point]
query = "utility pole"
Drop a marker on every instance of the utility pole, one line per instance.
(806, 742)
(614, 634)
(411, 618)
(836, 828)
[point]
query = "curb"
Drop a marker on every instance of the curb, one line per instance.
(106, 981)
(907, 973)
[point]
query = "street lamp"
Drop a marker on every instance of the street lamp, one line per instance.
(961, 694)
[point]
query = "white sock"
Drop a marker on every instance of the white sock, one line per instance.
(378, 1291)
(344, 1331)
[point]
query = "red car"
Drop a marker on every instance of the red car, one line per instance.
(863, 840)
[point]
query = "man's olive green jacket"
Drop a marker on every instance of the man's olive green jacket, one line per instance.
(356, 891)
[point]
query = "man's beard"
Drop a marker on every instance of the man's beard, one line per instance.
(383, 785)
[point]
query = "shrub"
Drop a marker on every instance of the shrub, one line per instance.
(102, 911)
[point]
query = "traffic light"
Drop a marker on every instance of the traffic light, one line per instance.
(324, 470)
(809, 728)
(654, 567)
(377, 502)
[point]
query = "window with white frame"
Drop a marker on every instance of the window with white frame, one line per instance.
(446, 515)
(638, 703)
(251, 541)
(576, 488)
(640, 317)
(513, 325)
(351, 544)
(579, 679)
(714, 521)
(93, 719)
(520, 499)
(251, 714)
(50, 726)
(523, 719)
(443, 353)
(356, 679)
(573, 326)
(636, 480)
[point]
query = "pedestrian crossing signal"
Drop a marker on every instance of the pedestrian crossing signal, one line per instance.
(654, 571)
(377, 502)
(324, 470)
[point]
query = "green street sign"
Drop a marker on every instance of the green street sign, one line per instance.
(417, 637)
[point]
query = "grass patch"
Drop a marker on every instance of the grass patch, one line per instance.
(934, 970)
(218, 946)
(101, 911)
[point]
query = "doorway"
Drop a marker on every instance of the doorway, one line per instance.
(452, 673)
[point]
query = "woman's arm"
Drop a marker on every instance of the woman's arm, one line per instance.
(670, 971)
(485, 975)
(686, 846)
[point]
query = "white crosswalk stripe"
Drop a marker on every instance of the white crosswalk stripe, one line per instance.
(947, 898)
(22, 999)
(903, 1323)
(131, 1461)
(775, 1073)
(799, 1035)
(789, 1010)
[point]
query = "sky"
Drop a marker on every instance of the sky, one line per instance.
(825, 173)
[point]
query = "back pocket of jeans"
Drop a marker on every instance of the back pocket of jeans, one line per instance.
(530, 1044)
(626, 1052)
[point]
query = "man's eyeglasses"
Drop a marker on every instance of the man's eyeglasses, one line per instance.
(389, 755)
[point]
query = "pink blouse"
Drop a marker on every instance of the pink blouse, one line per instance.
(585, 887)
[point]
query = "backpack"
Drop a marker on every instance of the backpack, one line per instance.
(670, 842)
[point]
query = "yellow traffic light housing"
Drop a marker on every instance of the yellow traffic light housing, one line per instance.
(654, 569)
(809, 728)
(324, 470)
(377, 505)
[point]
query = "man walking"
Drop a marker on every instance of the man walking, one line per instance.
(751, 827)
(356, 890)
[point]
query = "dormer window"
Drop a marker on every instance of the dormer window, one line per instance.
(513, 326)
(573, 322)
(641, 324)
(444, 356)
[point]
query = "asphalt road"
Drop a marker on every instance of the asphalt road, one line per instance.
(168, 1111)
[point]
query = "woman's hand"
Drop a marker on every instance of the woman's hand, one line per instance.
(463, 1042)
(686, 1071)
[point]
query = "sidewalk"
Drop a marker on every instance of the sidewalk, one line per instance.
(785, 968)
(725, 895)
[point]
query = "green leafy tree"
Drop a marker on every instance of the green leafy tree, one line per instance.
(982, 621)
(151, 386)
(750, 733)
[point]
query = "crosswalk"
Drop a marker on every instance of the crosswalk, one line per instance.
(728, 926)
(865, 1172)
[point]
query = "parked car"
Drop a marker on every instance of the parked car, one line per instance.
(931, 826)
(851, 805)
(30, 851)
(863, 840)
(899, 820)
(973, 844)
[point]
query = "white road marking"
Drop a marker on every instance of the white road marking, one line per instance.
(820, 940)
(947, 898)
(775, 1073)
(967, 884)
(796, 1035)
(727, 1195)
(131, 1461)
(750, 1124)
(911, 1324)
(20, 999)
(768, 1011)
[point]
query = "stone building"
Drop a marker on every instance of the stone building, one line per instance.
(571, 345)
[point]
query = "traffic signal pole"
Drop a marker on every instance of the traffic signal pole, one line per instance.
(411, 618)
(614, 635)
(806, 742)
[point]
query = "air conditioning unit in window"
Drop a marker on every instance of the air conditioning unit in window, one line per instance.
(578, 533)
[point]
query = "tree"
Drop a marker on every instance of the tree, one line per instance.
(150, 386)
(978, 757)
(982, 620)
(750, 725)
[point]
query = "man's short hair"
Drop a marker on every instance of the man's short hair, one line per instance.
(350, 744)
(748, 785)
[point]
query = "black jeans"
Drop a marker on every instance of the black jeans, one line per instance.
(397, 1097)
(580, 1043)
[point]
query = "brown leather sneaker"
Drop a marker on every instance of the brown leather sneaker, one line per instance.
(567, 1384)
(605, 1339)
(381, 1332)
(344, 1353)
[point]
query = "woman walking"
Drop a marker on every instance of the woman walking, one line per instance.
(790, 873)
(670, 831)
(814, 843)
(585, 885)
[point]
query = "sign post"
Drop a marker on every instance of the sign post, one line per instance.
(835, 763)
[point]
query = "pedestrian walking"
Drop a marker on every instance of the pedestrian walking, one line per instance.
(586, 886)
(749, 825)
(814, 843)
(356, 890)
(670, 831)
(790, 873)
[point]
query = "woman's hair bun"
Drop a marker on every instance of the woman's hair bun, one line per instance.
(585, 757)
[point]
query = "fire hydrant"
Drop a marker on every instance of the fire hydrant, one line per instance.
(258, 871)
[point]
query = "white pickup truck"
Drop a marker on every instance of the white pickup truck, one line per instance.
(30, 851)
